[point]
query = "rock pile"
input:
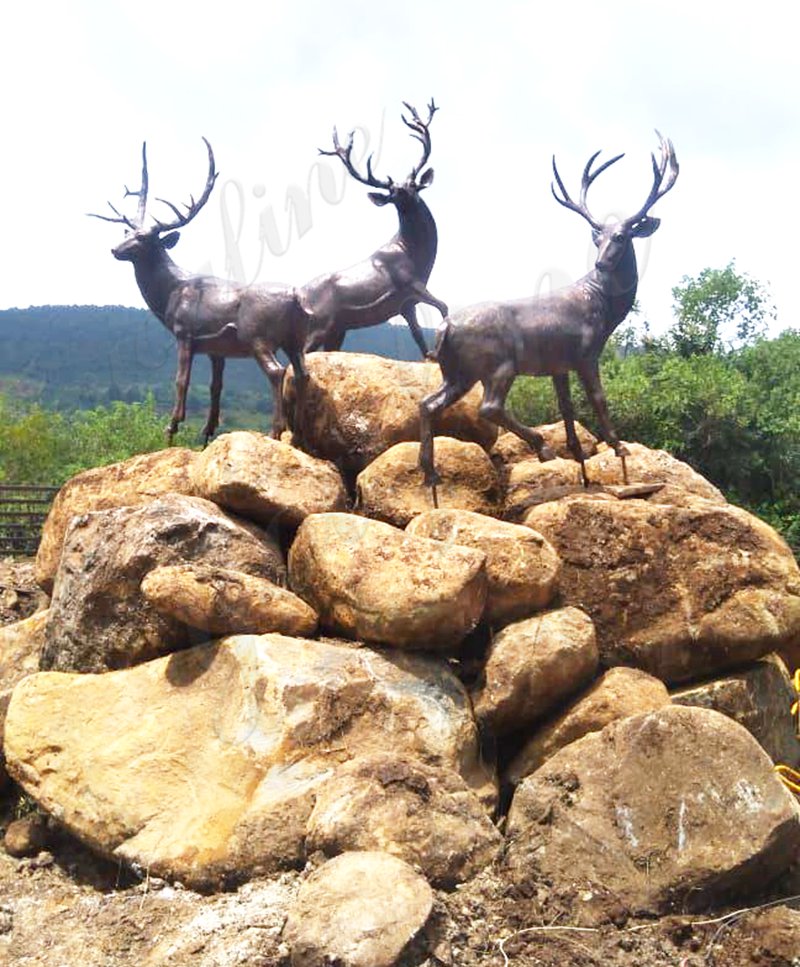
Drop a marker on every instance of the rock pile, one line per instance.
(239, 675)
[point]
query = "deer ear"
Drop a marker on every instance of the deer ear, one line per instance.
(377, 199)
(645, 227)
(426, 179)
(171, 240)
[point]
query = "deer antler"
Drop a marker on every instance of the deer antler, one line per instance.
(586, 180)
(420, 131)
(344, 153)
(192, 207)
(663, 180)
(141, 194)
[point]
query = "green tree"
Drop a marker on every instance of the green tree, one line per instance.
(717, 309)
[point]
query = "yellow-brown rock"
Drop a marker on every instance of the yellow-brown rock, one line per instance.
(531, 482)
(398, 804)
(128, 483)
(532, 666)
(203, 765)
(359, 405)
(679, 591)
(391, 488)
(266, 480)
(222, 601)
(521, 566)
(99, 619)
(371, 581)
(619, 693)
(510, 450)
(20, 645)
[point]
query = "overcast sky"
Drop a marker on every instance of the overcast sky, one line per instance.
(84, 83)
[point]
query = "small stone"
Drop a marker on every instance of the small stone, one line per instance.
(26, 836)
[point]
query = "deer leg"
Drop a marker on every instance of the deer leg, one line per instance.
(429, 408)
(298, 362)
(409, 312)
(590, 377)
(423, 295)
(217, 369)
(495, 390)
(185, 356)
(561, 384)
(266, 359)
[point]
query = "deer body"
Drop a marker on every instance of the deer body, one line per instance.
(211, 316)
(551, 335)
(394, 278)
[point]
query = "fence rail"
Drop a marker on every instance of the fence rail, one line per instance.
(23, 509)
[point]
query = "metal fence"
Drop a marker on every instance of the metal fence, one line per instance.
(22, 512)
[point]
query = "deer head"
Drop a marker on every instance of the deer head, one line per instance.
(613, 239)
(402, 195)
(140, 240)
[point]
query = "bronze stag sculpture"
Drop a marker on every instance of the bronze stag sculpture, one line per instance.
(393, 279)
(207, 315)
(548, 335)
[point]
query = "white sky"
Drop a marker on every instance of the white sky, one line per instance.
(84, 83)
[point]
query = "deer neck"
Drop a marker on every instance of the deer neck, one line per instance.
(418, 237)
(617, 286)
(157, 276)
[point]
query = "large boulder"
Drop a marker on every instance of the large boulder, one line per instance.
(391, 488)
(20, 645)
(679, 591)
(358, 405)
(532, 666)
(759, 697)
(426, 815)
(226, 602)
(368, 580)
(521, 566)
(265, 480)
(618, 694)
(203, 765)
(674, 809)
(99, 619)
(361, 909)
(661, 477)
(130, 482)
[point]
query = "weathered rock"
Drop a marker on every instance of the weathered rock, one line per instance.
(266, 480)
(759, 697)
(397, 804)
(26, 836)
(20, 646)
(358, 910)
(226, 602)
(510, 450)
(618, 694)
(531, 482)
(521, 567)
(391, 488)
(533, 665)
(681, 592)
(203, 765)
(131, 482)
(368, 580)
(677, 808)
(358, 405)
(99, 619)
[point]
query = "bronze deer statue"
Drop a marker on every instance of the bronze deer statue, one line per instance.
(207, 315)
(393, 279)
(548, 335)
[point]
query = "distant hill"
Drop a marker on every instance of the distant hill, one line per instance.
(70, 357)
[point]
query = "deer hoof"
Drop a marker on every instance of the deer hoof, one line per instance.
(546, 453)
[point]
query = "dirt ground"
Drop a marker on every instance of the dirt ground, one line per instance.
(69, 908)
